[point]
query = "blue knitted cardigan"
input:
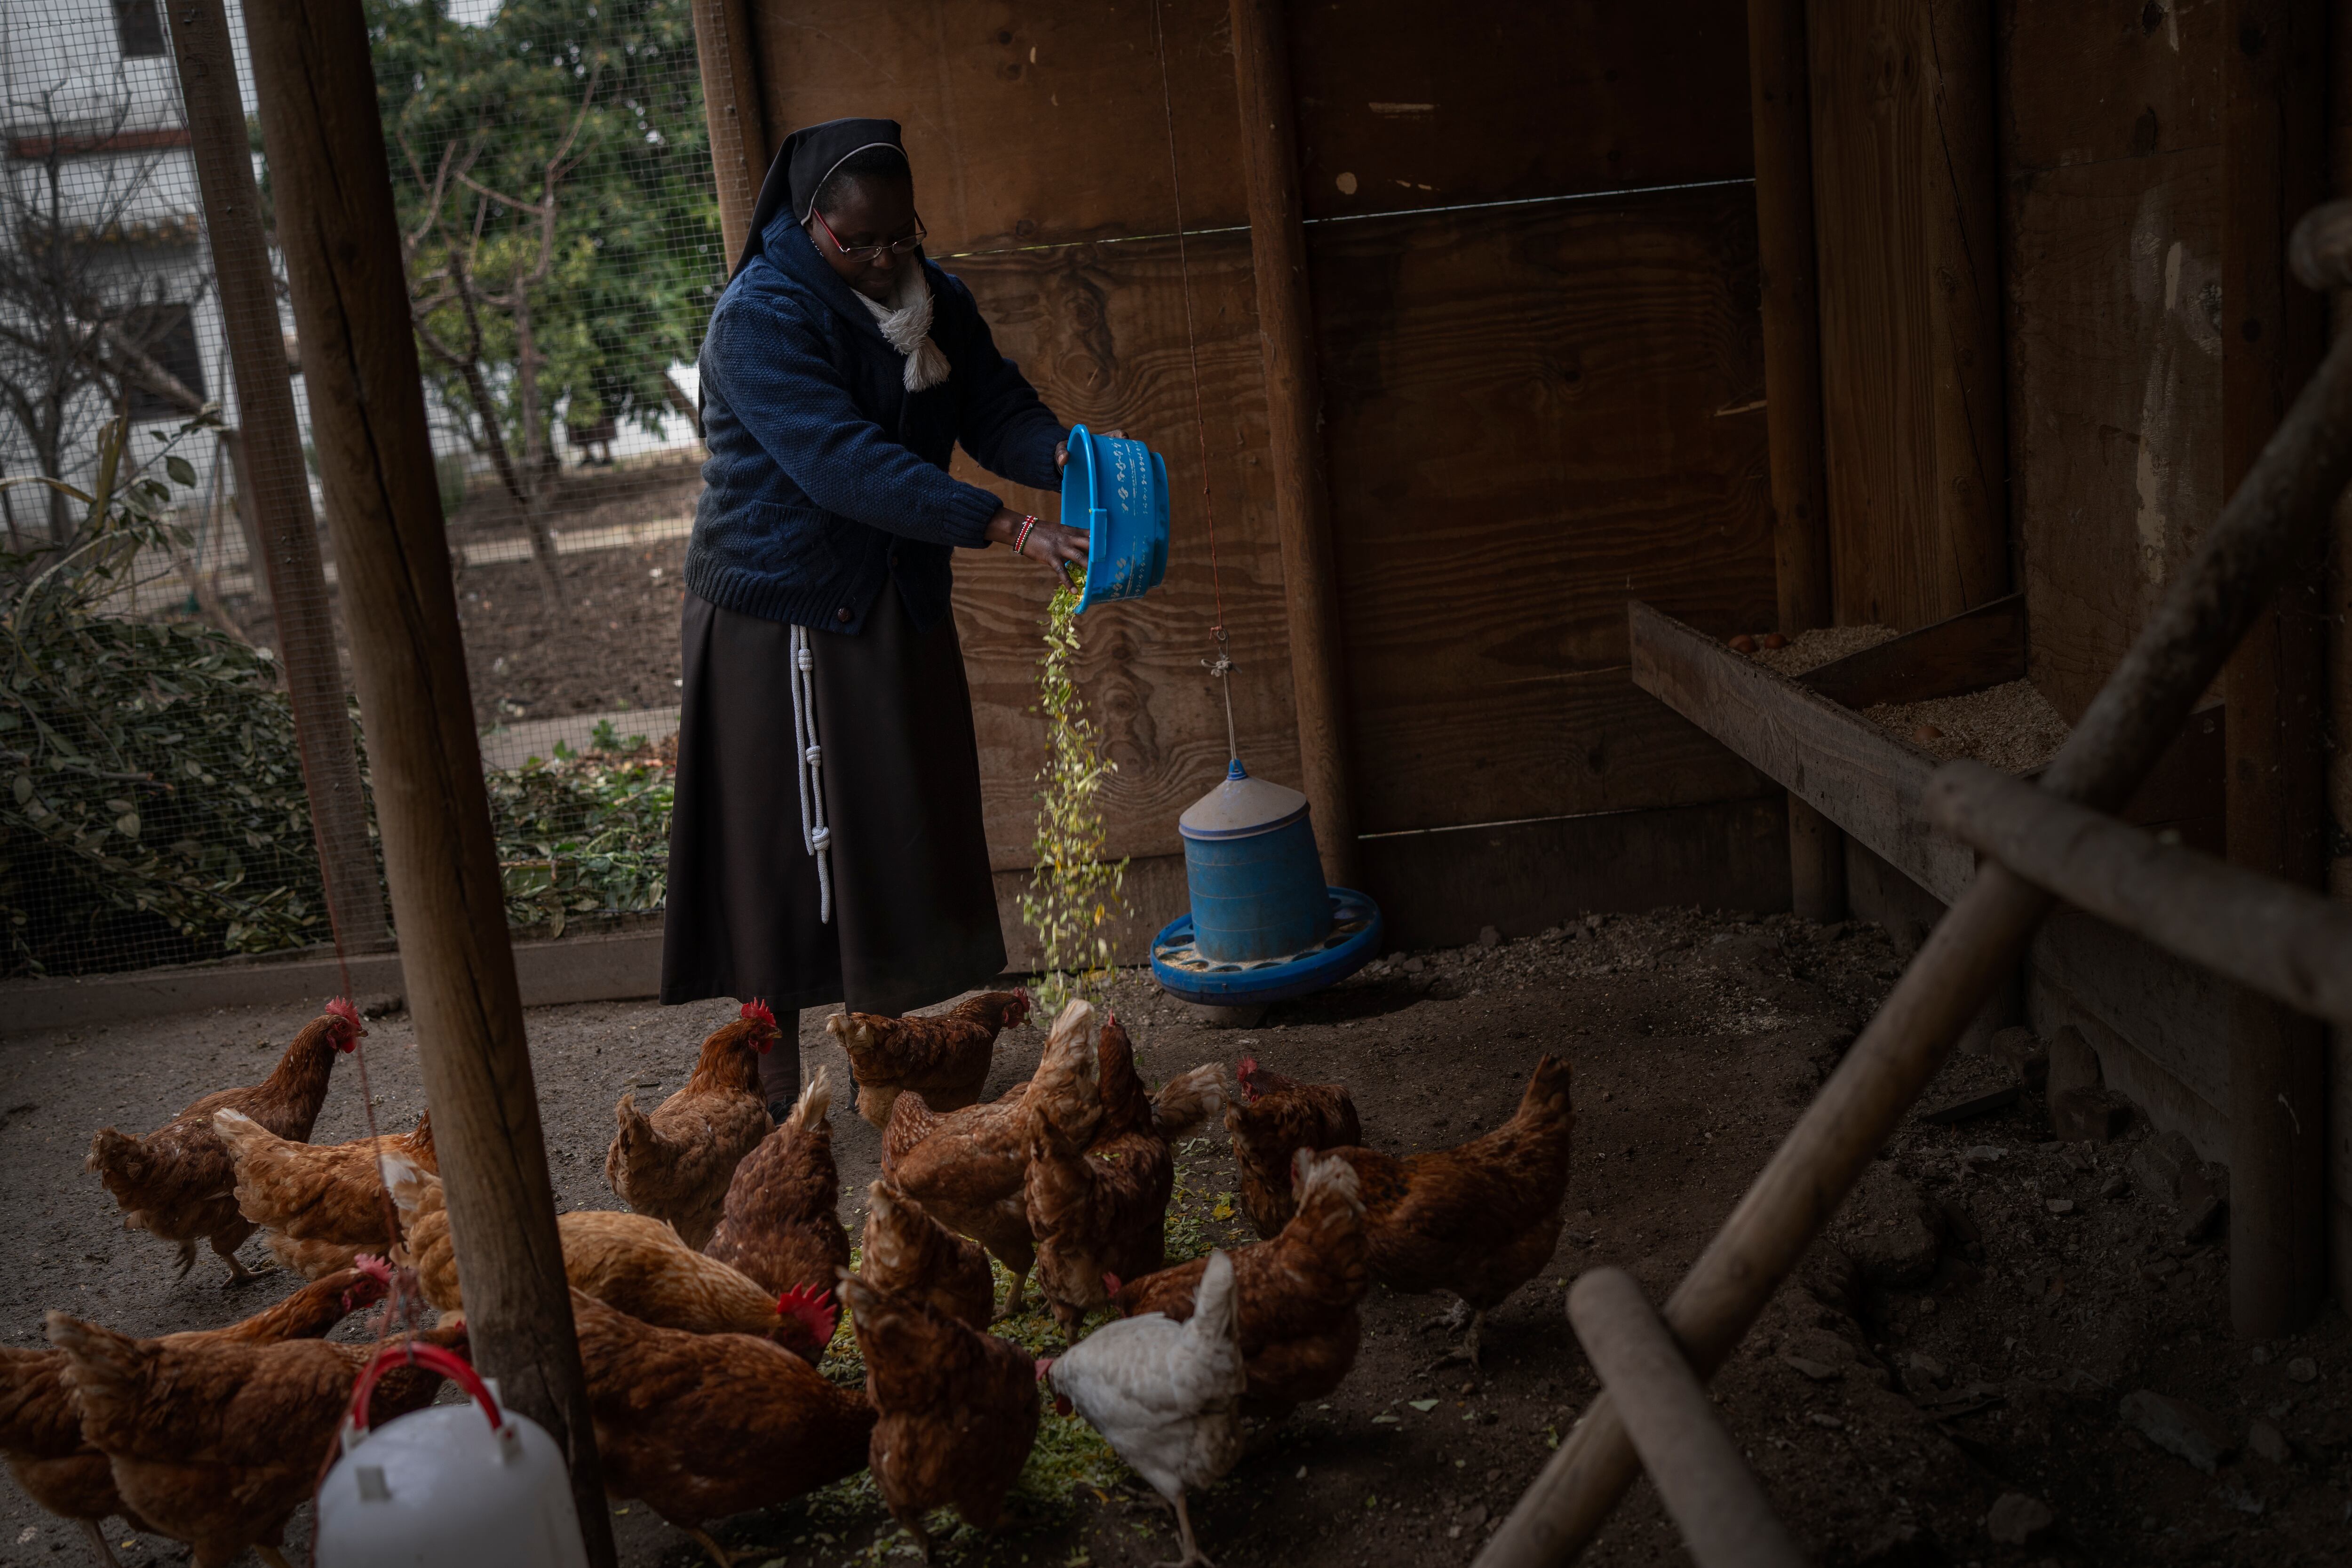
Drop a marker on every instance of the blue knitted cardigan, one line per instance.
(826, 478)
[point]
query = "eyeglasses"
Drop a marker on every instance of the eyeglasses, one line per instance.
(873, 253)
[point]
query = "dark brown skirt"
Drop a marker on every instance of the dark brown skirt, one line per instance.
(914, 905)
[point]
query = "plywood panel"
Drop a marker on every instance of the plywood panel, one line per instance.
(1531, 413)
(1906, 214)
(2116, 373)
(1100, 331)
(1403, 107)
(1025, 124)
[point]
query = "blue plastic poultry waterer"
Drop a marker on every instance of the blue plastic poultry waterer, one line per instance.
(1116, 491)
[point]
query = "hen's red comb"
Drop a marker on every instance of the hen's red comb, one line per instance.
(375, 1267)
(814, 1307)
(757, 1011)
(1249, 1066)
(342, 1008)
(1110, 1282)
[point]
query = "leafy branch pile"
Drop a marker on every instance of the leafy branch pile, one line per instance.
(1072, 892)
(582, 835)
(154, 811)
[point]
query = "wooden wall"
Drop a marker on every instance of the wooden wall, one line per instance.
(2113, 220)
(1533, 410)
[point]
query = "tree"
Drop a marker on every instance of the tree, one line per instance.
(554, 180)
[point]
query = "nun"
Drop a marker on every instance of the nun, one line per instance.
(825, 841)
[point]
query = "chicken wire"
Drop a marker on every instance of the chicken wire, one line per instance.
(552, 174)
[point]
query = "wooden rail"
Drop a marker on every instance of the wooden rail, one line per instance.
(2180, 648)
(1708, 1489)
(2289, 943)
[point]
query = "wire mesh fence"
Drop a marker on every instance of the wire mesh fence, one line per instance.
(551, 166)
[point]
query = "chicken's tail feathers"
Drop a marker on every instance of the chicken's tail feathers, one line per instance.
(814, 1103)
(412, 1186)
(1189, 1098)
(102, 1361)
(1216, 1308)
(1315, 1177)
(115, 1156)
(241, 1133)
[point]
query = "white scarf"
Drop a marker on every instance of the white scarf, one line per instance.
(906, 321)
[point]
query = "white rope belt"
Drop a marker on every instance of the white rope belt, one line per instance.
(815, 837)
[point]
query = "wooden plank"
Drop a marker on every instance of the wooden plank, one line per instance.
(1501, 103)
(1437, 888)
(1847, 768)
(2116, 375)
(2092, 81)
(1036, 127)
(1967, 652)
(1508, 450)
(2173, 1016)
(1101, 329)
(2184, 792)
(1906, 214)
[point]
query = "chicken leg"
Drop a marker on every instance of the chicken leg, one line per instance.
(719, 1554)
(226, 1244)
(98, 1543)
(1461, 1315)
(1193, 1553)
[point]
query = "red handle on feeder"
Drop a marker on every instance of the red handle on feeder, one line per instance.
(456, 1368)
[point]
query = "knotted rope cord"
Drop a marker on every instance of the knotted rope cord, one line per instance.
(815, 837)
(1221, 667)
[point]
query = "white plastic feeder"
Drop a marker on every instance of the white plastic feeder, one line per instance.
(441, 1487)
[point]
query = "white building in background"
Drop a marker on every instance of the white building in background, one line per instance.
(102, 235)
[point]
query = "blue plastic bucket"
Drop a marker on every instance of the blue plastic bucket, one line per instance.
(1116, 491)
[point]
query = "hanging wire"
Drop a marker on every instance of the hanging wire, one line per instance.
(1221, 667)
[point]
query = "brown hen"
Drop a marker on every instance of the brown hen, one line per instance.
(1478, 1220)
(1100, 1169)
(676, 1165)
(782, 1224)
(1273, 1119)
(947, 1056)
(700, 1426)
(634, 1264)
(177, 1182)
(215, 1443)
(907, 1253)
(1298, 1292)
(327, 1193)
(958, 1409)
(41, 1426)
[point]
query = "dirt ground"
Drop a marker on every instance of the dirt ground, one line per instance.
(1993, 1304)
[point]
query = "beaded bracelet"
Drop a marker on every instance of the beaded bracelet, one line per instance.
(1022, 537)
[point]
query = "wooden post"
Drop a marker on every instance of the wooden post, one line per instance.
(1294, 408)
(273, 486)
(730, 103)
(340, 238)
(1780, 104)
(2274, 164)
(2339, 697)
(1906, 210)
(1714, 1497)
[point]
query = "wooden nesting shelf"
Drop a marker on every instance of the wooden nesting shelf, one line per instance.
(1808, 734)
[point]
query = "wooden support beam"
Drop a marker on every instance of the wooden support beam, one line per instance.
(730, 103)
(2291, 943)
(2339, 697)
(1293, 407)
(1781, 110)
(1907, 218)
(340, 238)
(2273, 168)
(273, 484)
(1713, 1497)
(2180, 648)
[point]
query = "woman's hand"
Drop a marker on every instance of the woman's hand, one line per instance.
(1062, 448)
(1058, 547)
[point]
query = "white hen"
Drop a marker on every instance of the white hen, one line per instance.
(1166, 1396)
